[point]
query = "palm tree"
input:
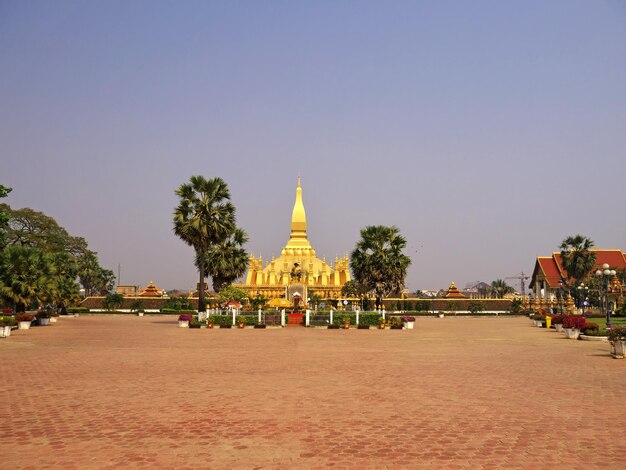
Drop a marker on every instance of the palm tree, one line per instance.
(26, 274)
(577, 260)
(500, 288)
(227, 261)
(378, 263)
(204, 217)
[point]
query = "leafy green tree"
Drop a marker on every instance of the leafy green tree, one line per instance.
(377, 262)
(351, 289)
(113, 301)
(203, 219)
(178, 303)
(576, 258)
(232, 293)
(94, 279)
(26, 275)
(5, 215)
(499, 288)
(258, 301)
(227, 260)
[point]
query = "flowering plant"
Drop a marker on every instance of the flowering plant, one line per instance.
(408, 318)
(240, 320)
(574, 321)
(617, 333)
(24, 317)
(558, 319)
(185, 317)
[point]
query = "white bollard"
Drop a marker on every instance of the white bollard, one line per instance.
(308, 316)
(234, 315)
(383, 313)
(259, 316)
(282, 317)
(357, 317)
(331, 316)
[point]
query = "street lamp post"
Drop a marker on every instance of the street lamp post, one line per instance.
(606, 273)
(582, 294)
(560, 296)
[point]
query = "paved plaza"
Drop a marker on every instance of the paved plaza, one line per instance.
(139, 392)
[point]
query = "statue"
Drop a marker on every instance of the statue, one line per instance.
(296, 273)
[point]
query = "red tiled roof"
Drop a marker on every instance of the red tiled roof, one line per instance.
(553, 271)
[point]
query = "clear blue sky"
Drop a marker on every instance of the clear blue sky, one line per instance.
(487, 131)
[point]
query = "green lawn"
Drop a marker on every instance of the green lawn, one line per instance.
(615, 321)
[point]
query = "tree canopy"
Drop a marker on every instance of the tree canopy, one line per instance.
(577, 260)
(499, 288)
(205, 220)
(377, 262)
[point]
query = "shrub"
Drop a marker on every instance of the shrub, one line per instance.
(421, 306)
(598, 332)
(475, 307)
(24, 317)
(8, 321)
(170, 311)
(136, 305)
(558, 319)
(574, 321)
(178, 303)
(77, 310)
(617, 333)
(194, 322)
(241, 319)
(516, 306)
(587, 328)
(185, 317)
(113, 301)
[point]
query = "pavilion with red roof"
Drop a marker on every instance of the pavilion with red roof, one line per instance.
(549, 270)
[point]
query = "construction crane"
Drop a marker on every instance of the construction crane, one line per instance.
(522, 278)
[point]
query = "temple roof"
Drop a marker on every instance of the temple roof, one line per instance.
(453, 292)
(151, 291)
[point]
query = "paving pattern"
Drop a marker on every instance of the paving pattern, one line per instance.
(138, 392)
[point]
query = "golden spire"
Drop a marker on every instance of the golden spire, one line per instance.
(298, 216)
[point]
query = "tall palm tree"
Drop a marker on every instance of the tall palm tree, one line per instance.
(228, 260)
(204, 217)
(377, 262)
(500, 288)
(577, 260)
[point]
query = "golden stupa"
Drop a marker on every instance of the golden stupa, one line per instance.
(297, 264)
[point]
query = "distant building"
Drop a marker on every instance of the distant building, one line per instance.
(127, 290)
(549, 270)
(477, 290)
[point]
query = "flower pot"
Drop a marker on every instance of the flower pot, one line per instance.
(603, 339)
(23, 325)
(363, 327)
(381, 326)
(260, 326)
(183, 324)
(396, 327)
(5, 331)
(240, 325)
(409, 325)
(571, 333)
(54, 319)
(618, 349)
(346, 326)
(76, 315)
(140, 314)
(43, 321)
(441, 315)
(558, 327)
(209, 325)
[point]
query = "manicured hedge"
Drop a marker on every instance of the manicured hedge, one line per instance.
(77, 310)
(171, 311)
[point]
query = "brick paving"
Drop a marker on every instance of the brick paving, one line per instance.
(138, 392)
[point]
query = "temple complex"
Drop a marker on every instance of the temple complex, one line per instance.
(297, 270)
(453, 292)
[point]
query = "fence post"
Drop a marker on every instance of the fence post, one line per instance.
(234, 314)
(357, 317)
(259, 316)
(282, 317)
(331, 316)
(383, 313)
(308, 316)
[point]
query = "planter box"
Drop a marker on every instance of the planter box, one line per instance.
(183, 324)
(226, 326)
(23, 325)
(5, 331)
(333, 327)
(54, 319)
(396, 327)
(441, 315)
(140, 314)
(363, 327)
(559, 327)
(571, 333)
(603, 339)
(259, 327)
(43, 321)
(409, 325)
(618, 349)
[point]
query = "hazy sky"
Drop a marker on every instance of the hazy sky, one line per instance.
(487, 131)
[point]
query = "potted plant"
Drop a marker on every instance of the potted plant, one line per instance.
(194, 322)
(54, 317)
(241, 321)
(617, 339)
(184, 319)
(595, 334)
(346, 322)
(409, 321)
(43, 318)
(440, 314)
(140, 312)
(209, 322)
(539, 320)
(6, 323)
(381, 322)
(572, 325)
(24, 320)
(396, 323)
(557, 321)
